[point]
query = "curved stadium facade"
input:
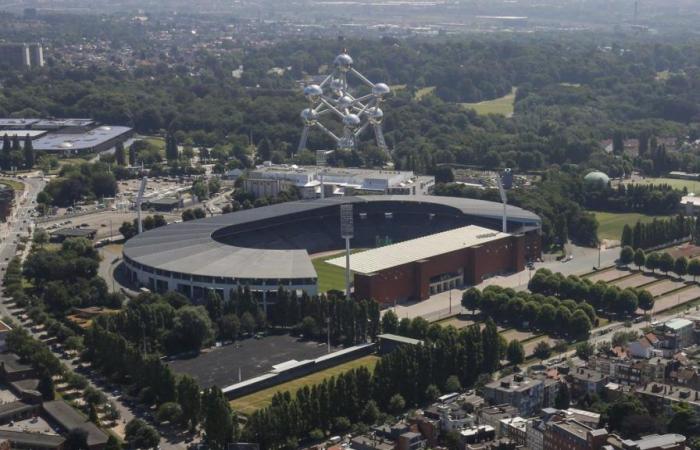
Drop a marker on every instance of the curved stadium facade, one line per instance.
(269, 247)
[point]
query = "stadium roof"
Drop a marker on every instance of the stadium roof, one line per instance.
(405, 252)
(22, 123)
(78, 141)
(189, 247)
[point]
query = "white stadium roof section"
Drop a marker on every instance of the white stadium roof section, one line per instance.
(405, 252)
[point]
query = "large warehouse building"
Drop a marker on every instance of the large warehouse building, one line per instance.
(265, 248)
(419, 268)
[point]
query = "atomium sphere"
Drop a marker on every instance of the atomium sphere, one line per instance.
(343, 62)
(375, 115)
(345, 102)
(309, 116)
(313, 91)
(351, 120)
(380, 89)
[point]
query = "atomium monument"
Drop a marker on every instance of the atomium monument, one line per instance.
(332, 99)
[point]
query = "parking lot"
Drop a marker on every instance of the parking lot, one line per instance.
(250, 357)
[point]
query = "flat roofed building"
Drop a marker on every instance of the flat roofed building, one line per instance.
(32, 441)
(95, 140)
(33, 134)
(524, 393)
(651, 442)
(271, 180)
(69, 419)
(418, 268)
(18, 124)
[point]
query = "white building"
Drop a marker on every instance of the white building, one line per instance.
(269, 180)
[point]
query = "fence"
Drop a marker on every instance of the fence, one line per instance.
(297, 370)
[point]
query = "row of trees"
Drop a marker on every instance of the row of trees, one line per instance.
(131, 229)
(657, 232)
(533, 311)
(642, 198)
(78, 182)
(599, 295)
(407, 377)
(16, 154)
(661, 261)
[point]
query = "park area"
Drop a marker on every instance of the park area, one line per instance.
(690, 185)
(610, 225)
(14, 184)
(504, 105)
(250, 403)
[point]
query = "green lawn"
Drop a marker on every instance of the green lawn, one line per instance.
(691, 185)
(251, 403)
(503, 106)
(329, 276)
(14, 184)
(610, 224)
(422, 92)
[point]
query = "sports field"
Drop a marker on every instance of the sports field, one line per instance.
(330, 277)
(260, 399)
(610, 224)
(503, 106)
(691, 185)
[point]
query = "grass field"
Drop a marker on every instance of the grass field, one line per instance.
(422, 92)
(14, 184)
(610, 224)
(692, 186)
(260, 399)
(330, 277)
(503, 106)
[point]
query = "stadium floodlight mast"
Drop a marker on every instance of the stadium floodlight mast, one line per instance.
(347, 232)
(333, 98)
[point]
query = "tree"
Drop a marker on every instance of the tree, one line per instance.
(542, 350)
(132, 155)
(580, 325)
(112, 443)
(229, 327)
(390, 322)
(432, 393)
(645, 300)
(190, 399)
(515, 352)
(680, 266)
(452, 384)
(491, 347)
(396, 404)
(141, 435)
(626, 239)
(218, 419)
(626, 255)
(627, 302)
(584, 350)
(694, 268)
(28, 152)
(128, 230)
(247, 322)
(120, 154)
(192, 328)
(169, 412)
(41, 237)
(309, 327)
(652, 262)
(563, 398)
(171, 150)
(666, 263)
(370, 413)
(471, 299)
(639, 258)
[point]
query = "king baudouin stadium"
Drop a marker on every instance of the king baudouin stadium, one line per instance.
(408, 247)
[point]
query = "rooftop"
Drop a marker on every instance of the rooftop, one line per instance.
(678, 323)
(394, 255)
(74, 232)
(189, 247)
(18, 123)
(655, 441)
(402, 339)
(514, 383)
(70, 419)
(79, 141)
(31, 440)
(672, 393)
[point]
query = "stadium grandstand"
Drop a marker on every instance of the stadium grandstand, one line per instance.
(269, 247)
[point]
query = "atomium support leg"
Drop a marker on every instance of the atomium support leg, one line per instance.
(379, 136)
(304, 138)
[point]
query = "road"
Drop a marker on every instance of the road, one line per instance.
(19, 225)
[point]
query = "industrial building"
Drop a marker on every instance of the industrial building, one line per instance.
(270, 180)
(267, 248)
(418, 268)
(66, 137)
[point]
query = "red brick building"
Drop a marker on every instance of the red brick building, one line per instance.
(418, 268)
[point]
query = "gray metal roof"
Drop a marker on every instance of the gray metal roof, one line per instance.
(188, 247)
(79, 141)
